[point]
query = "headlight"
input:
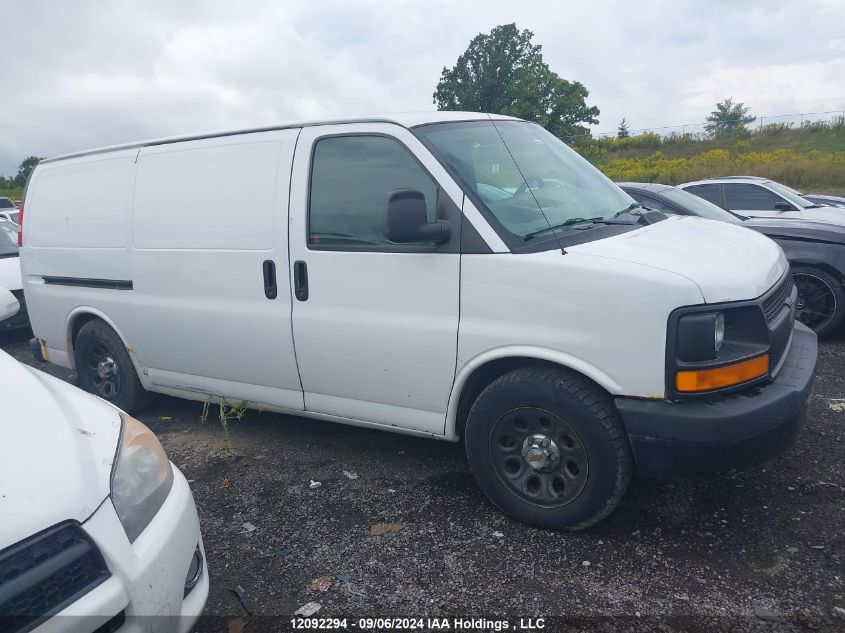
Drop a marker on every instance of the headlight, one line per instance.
(700, 336)
(719, 331)
(710, 350)
(141, 478)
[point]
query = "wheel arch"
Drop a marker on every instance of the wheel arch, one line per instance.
(827, 267)
(474, 376)
(83, 314)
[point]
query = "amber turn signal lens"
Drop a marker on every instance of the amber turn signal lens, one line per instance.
(721, 377)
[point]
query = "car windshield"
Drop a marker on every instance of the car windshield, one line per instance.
(525, 176)
(8, 238)
(698, 206)
(790, 194)
(5, 203)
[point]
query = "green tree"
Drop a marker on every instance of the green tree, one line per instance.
(503, 72)
(623, 131)
(728, 119)
(25, 169)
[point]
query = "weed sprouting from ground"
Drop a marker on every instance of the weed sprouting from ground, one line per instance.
(225, 414)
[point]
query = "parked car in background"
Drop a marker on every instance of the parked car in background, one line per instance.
(419, 277)
(815, 250)
(825, 200)
(9, 210)
(756, 197)
(10, 273)
(97, 525)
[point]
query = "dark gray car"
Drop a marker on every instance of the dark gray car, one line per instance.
(815, 250)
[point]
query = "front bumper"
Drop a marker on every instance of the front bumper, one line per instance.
(145, 592)
(733, 432)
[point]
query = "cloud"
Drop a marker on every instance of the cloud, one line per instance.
(86, 74)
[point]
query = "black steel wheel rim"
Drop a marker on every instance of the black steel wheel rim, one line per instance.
(103, 370)
(816, 303)
(558, 483)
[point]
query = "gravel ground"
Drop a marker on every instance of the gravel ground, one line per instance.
(690, 555)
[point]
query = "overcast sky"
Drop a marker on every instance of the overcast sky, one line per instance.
(82, 74)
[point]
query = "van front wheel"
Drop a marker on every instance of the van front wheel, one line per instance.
(104, 368)
(547, 447)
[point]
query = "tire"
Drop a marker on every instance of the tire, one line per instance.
(591, 473)
(96, 344)
(821, 299)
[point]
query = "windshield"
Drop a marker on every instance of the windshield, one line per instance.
(525, 176)
(790, 194)
(698, 206)
(8, 238)
(5, 203)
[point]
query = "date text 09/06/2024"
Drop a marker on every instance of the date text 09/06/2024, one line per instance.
(416, 624)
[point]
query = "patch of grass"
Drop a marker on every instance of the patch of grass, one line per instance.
(15, 193)
(807, 157)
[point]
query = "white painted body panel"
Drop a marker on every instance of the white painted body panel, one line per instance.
(55, 465)
(57, 451)
(386, 339)
(10, 273)
(727, 262)
(206, 216)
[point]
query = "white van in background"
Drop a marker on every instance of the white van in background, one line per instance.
(453, 275)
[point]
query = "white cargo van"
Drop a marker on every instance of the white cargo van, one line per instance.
(452, 275)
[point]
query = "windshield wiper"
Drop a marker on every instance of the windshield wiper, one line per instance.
(568, 222)
(629, 209)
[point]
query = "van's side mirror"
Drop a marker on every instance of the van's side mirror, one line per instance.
(783, 206)
(406, 219)
(9, 305)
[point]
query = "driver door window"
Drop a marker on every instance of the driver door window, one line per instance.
(350, 179)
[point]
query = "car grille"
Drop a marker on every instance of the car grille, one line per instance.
(43, 574)
(776, 354)
(774, 303)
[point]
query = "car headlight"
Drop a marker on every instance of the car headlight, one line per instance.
(719, 331)
(141, 477)
(710, 350)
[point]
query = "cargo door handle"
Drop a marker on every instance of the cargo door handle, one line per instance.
(270, 289)
(300, 281)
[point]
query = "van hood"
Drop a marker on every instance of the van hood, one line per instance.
(56, 453)
(727, 262)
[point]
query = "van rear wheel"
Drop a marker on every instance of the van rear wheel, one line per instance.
(547, 447)
(104, 368)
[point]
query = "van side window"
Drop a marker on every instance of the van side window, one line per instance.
(350, 178)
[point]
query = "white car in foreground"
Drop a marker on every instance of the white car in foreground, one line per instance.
(95, 522)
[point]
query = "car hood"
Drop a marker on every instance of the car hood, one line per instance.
(727, 262)
(56, 453)
(834, 215)
(10, 273)
(799, 229)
